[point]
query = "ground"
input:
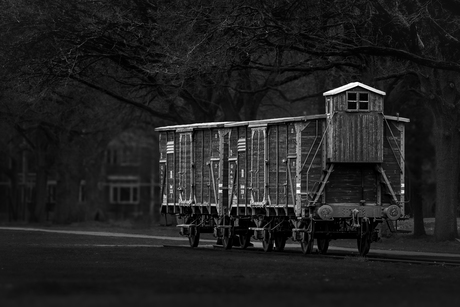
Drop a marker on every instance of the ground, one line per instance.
(57, 269)
(398, 241)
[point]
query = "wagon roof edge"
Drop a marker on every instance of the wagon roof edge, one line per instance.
(264, 122)
(192, 126)
(353, 85)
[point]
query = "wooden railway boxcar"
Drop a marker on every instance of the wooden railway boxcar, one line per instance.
(326, 176)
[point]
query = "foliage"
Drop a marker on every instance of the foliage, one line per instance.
(184, 61)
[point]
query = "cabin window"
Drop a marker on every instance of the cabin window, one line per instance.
(358, 101)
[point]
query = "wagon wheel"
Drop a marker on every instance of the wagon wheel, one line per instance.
(280, 242)
(364, 239)
(307, 239)
(245, 240)
(193, 232)
(194, 236)
(323, 245)
(227, 239)
(267, 241)
(364, 244)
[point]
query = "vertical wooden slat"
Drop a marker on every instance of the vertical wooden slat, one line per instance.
(281, 160)
(355, 137)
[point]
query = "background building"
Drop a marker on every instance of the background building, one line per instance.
(128, 180)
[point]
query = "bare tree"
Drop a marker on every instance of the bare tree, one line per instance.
(182, 61)
(374, 41)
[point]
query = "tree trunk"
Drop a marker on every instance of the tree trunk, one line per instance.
(96, 207)
(417, 209)
(38, 212)
(156, 183)
(67, 189)
(13, 206)
(447, 141)
(416, 198)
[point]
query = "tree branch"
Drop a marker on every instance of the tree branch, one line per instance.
(138, 105)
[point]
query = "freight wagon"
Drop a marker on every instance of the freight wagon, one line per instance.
(328, 176)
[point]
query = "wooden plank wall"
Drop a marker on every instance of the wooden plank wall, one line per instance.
(205, 159)
(281, 177)
(351, 183)
(356, 137)
(278, 162)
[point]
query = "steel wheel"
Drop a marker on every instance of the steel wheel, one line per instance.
(307, 239)
(364, 245)
(227, 239)
(267, 242)
(323, 245)
(307, 243)
(245, 240)
(194, 236)
(364, 239)
(280, 242)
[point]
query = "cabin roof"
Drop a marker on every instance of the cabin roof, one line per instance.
(351, 85)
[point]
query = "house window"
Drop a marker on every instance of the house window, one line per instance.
(124, 156)
(124, 193)
(82, 192)
(30, 192)
(328, 105)
(112, 156)
(130, 156)
(358, 101)
(52, 192)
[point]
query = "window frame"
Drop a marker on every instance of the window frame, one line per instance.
(358, 101)
(328, 105)
(115, 193)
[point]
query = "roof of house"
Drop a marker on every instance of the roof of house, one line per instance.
(351, 85)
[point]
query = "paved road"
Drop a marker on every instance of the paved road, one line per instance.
(62, 268)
